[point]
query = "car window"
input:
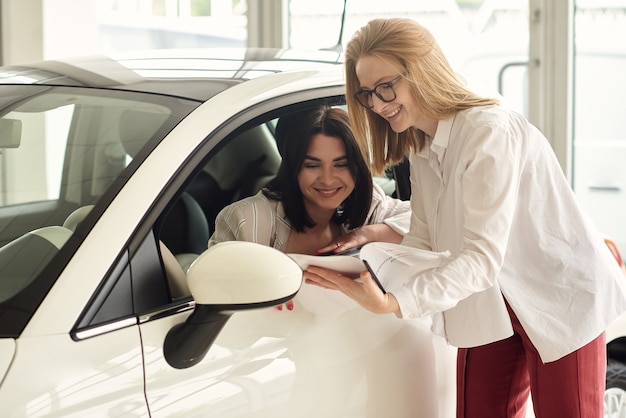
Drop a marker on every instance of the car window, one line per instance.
(105, 135)
(135, 286)
(245, 162)
(63, 152)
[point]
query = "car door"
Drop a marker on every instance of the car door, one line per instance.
(246, 373)
(248, 369)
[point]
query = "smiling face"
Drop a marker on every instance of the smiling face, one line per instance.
(401, 113)
(325, 178)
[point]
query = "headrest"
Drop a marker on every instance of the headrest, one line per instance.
(254, 148)
(185, 228)
(76, 217)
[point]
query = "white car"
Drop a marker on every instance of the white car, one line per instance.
(111, 174)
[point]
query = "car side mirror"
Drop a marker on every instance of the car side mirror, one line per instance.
(226, 278)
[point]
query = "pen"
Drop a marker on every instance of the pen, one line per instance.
(369, 268)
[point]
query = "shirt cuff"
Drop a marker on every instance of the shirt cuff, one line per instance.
(409, 309)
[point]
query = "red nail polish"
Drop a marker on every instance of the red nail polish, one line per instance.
(290, 306)
(279, 307)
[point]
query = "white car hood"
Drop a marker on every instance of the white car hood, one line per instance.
(7, 351)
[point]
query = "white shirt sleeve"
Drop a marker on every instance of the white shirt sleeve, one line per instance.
(393, 212)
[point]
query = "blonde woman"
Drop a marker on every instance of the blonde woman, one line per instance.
(531, 285)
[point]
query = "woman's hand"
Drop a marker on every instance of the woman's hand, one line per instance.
(365, 291)
(361, 236)
(289, 305)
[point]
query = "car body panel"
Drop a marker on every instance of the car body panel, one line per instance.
(7, 351)
(269, 363)
(54, 376)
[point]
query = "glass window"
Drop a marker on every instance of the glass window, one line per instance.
(161, 24)
(38, 147)
(599, 172)
(33, 161)
(63, 150)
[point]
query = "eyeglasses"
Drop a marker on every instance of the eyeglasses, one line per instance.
(384, 91)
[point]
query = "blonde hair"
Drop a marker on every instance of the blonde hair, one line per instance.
(439, 93)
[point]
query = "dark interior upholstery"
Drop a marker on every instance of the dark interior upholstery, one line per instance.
(185, 228)
(240, 169)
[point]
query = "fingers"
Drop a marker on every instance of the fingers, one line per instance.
(369, 283)
(355, 238)
(311, 277)
(327, 279)
(289, 305)
(334, 247)
(364, 291)
(341, 244)
(319, 281)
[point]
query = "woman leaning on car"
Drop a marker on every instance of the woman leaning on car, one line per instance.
(531, 284)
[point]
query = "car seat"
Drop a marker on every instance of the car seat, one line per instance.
(76, 217)
(246, 164)
(17, 257)
(185, 230)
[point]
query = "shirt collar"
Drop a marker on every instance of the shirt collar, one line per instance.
(441, 140)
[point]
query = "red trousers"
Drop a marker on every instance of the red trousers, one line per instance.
(494, 380)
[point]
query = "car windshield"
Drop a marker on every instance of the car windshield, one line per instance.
(63, 151)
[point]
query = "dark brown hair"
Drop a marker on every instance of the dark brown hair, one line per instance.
(293, 136)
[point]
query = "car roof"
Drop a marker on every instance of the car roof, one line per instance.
(196, 74)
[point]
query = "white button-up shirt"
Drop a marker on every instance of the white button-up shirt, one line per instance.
(489, 189)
